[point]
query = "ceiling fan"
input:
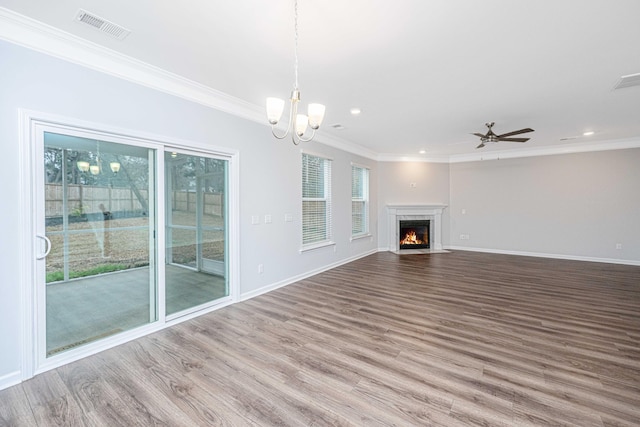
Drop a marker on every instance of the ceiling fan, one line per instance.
(492, 137)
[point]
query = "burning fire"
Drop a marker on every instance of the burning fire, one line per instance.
(411, 239)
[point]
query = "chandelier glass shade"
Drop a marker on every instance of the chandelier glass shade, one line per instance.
(85, 166)
(298, 123)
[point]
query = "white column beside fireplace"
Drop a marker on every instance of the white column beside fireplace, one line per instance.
(396, 213)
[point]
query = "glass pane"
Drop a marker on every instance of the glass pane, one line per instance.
(183, 247)
(313, 176)
(357, 217)
(196, 264)
(213, 245)
(314, 221)
(97, 214)
(357, 184)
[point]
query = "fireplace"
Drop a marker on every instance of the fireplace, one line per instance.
(414, 234)
(429, 214)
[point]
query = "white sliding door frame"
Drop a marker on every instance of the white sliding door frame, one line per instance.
(31, 145)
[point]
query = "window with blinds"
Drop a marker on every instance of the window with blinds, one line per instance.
(359, 200)
(316, 199)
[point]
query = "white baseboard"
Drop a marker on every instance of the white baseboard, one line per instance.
(10, 379)
(546, 255)
(263, 290)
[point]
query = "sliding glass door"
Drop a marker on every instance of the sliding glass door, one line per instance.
(196, 231)
(99, 220)
(128, 236)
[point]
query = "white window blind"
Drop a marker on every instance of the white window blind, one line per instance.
(316, 199)
(359, 200)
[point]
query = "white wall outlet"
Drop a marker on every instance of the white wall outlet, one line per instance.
(618, 245)
(412, 185)
(267, 219)
(288, 218)
(255, 219)
(464, 237)
(260, 268)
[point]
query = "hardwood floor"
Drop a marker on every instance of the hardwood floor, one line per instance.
(427, 340)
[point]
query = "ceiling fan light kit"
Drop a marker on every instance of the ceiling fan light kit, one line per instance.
(491, 137)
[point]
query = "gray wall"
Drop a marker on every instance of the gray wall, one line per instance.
(270, 173)
(394, 188)
(573, 205)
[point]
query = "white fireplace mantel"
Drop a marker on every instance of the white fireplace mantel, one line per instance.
(395, 213)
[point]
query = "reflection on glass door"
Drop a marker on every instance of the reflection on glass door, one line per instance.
(196, 224)
(100, 219)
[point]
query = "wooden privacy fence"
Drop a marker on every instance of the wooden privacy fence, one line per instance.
(84, 199)
(186, 201)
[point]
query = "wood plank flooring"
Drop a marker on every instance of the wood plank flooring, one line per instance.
(452, 339)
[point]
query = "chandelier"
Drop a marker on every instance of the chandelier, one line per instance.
(298, 123)
(85, 166)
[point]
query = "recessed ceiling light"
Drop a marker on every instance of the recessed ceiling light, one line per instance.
(422, 151)
(355, 111)
(588, 133)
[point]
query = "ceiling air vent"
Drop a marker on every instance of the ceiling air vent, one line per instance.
(628, 81)
(102, 24)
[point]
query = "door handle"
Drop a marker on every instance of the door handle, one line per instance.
(48, 242)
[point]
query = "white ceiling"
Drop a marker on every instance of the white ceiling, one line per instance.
(426, 74)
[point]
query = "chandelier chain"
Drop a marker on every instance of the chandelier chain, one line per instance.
(295, 50)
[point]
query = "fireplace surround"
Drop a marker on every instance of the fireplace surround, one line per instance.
(397, 213)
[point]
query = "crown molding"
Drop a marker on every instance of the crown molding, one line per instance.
(386, 157)
(619, 144)
(344, 145)
(607, 145)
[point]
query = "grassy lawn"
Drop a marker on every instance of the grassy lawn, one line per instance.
(56, 276)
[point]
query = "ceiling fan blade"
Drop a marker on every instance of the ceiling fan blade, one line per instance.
(479, 135)
(514, 139)
(481, 145)
(516, 132)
